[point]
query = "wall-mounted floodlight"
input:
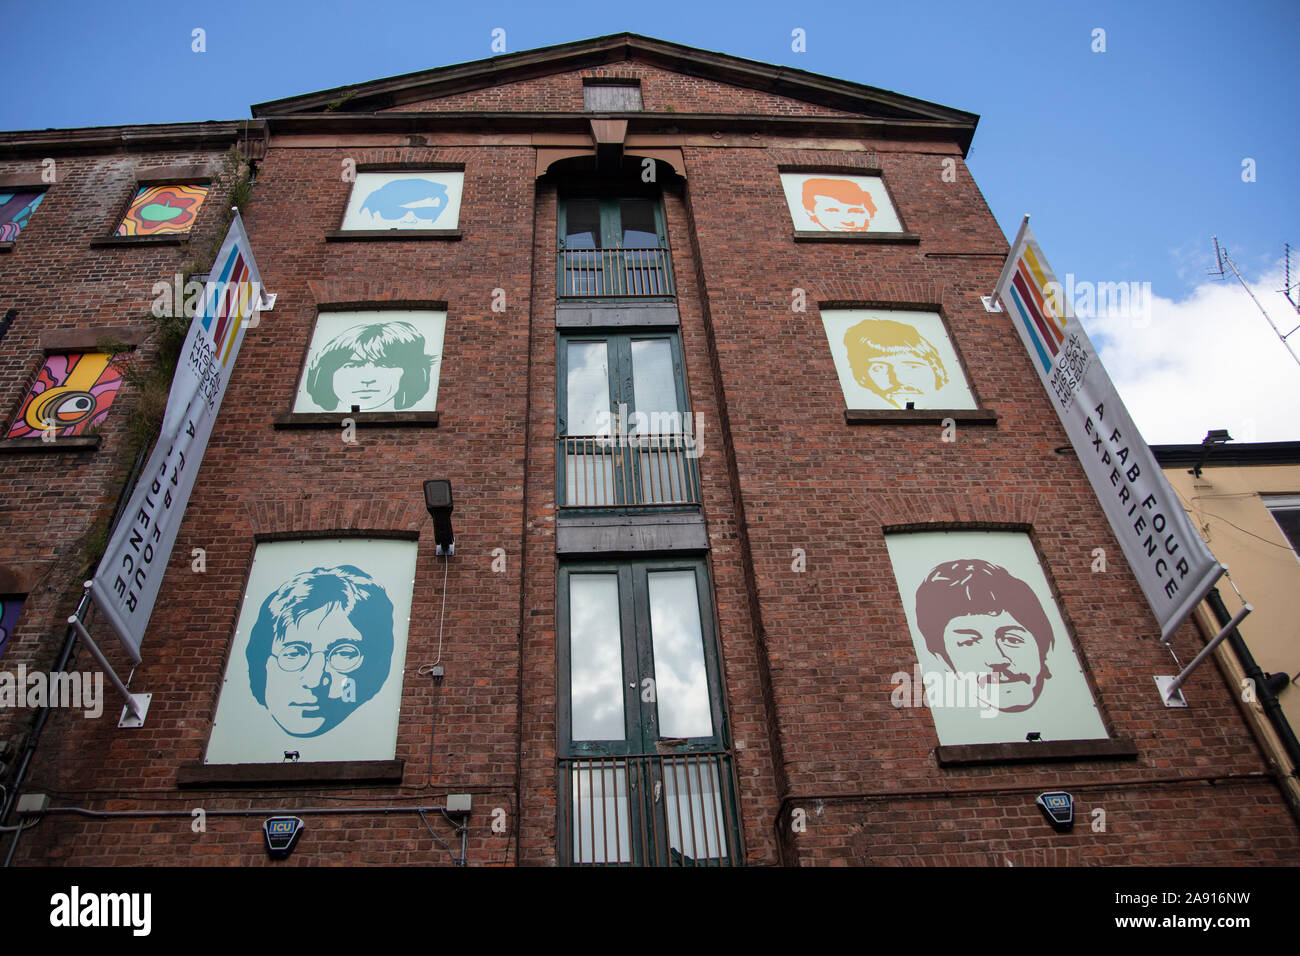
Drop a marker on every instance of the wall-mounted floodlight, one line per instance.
(1212, 440)
(437, 498)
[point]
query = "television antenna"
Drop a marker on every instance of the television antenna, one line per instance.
(1221, 259)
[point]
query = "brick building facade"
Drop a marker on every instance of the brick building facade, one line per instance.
(636, 232)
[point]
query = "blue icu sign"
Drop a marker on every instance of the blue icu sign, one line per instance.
(281, 835)
(1058, 807)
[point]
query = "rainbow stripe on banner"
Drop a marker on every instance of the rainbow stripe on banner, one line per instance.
(234, 300)
(1025, 292)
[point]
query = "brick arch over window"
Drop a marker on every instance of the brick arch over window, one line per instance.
(558, 161)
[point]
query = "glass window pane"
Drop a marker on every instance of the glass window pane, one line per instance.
(638, 219)
(681, 682)
(588, 388)
(582, 224)
(1288, 519)
(693, 808)
(654, 389)
(602, 831)
(595, 657)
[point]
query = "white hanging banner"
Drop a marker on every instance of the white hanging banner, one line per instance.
(125, 586)
(1170, 560)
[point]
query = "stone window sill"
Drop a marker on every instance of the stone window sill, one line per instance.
(171, 239)
(895, 238)
(22, 446)
(398, 235)
(361, 419)
(920, 416)
(1049, 751)
(257, 774)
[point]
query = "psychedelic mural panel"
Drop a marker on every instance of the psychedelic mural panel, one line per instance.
(11, 606)
(162, 210)
(71, 394)
(15, 209)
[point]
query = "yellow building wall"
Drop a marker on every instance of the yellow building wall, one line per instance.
(1226, 506)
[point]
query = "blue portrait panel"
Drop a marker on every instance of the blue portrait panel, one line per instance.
(429, 200)
(316, 663)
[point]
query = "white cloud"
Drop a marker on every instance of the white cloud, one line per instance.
(1208, 361)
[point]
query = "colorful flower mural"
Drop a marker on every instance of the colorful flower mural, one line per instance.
(162, 210)
(15, 210)
(71, 395)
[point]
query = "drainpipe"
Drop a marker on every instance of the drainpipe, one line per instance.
(1267, 699)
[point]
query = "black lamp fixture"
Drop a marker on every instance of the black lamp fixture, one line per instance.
(1212, 440)
(437, 498)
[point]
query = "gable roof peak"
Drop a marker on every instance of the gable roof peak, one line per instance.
(393, 92)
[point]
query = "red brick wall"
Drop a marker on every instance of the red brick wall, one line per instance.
(807, 657)
(259, 480)
(837, 632)
(58, 282)
(661, 91)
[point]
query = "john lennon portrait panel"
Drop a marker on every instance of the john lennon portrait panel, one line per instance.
(383, 361)
(885, 359)
(428, 200)
(834, 202)
(994, 660)
(316, 665)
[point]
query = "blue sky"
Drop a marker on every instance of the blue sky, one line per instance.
(1128, 159)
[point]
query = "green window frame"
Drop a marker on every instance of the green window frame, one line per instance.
(645, 766)
(612, 453)
(613, 245)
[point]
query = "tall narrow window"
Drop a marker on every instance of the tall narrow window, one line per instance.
(626, 437)
(644, 766)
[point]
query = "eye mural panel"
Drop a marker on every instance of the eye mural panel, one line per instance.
(71, 395)
(405, 201)
(885, 359)
(379, 361)
(995, 662)
(162, 210)
(316, 664)
(15, 209)
(831, 202)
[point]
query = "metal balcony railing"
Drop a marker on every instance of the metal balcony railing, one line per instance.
(604, 471)
(649, 810)
(615, 272)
